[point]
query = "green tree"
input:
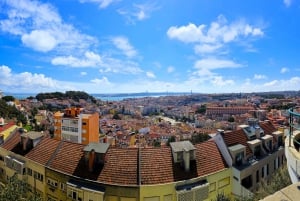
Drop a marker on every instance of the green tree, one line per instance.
(231, 119)
(171, 139)
(17, 190)
(8, 98)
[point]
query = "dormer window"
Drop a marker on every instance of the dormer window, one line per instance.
(279, 138)
(255, 146)
(237, 153)
(267, 143)
(239, 158)
(257, 151)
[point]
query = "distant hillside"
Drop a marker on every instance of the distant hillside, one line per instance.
(74, 95)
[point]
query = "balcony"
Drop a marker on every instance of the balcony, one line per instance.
(292, 145)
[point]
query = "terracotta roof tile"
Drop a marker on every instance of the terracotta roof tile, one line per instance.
(120, 167)
(12, 141)
(156, 165)
(237, 137)
(268, 127)
(43, 151)
(67, 157)
(209, 158)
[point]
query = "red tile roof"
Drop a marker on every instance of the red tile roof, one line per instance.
(208, 158)
(268, 127)
(120, 167)
(156, 165)
(237, 137)
(12, 141)
(43, 151)
(67, 157)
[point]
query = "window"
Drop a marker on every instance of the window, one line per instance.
(83, 123)
(257, 176)
(29, 171)
(52, 182)
(239, 158)
(179, 156)
(267, 169)
(280, 141)
(63, 186)
(74, 194)
(1, 158)
(257, 151)
(38, 176)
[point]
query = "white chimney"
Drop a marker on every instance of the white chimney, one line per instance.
(186, 159)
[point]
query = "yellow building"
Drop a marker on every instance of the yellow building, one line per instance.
(75, 126)
(66, 170)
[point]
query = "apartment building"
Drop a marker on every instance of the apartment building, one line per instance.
(99, 172)
(254, 152)
(75, 126)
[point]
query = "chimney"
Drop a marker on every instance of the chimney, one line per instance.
(91, 160)
(24, 142)
(186, 159)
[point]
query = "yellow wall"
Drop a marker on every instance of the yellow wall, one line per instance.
(59, 192)
(120, 193)
(220, 182)
(34, 180)
(158, 191)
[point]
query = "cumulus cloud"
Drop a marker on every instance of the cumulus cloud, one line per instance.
(41, 28)
(138, 12)
(39, 40)
(259, 77)
(90, 59)
(101, 3)
(150, 74)
(284, 70)
(24, 80)
(123, 44)
(103, 81)
(209, 38)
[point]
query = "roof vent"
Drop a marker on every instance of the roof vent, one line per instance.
(183, 152)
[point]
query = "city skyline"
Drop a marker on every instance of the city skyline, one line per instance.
(113, 46)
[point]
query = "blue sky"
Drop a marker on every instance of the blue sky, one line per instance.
(124, 46)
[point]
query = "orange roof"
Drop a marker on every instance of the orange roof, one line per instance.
(237, 137)
(156, 166)
(120, 167)
(209, 158)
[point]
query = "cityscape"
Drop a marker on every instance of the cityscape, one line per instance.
(148, 100)
(72, 146)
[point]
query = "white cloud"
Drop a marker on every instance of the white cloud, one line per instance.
(41, 28)
(259, 77)
(150, 74)
(219, 81)
(206, 48)
(123, 44)
(103, 81)
(284, 70)
(39, 40)
(138, 12)
(171, 69)
(287, 3)
(83, 73)
(24, 81)
(209, 38)
(101, 3)
(91, 60)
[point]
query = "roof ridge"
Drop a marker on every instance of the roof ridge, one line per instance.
(54, 153)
